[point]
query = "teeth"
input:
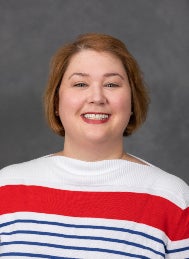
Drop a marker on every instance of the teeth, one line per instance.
(96, 116)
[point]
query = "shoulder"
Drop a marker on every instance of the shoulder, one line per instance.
(164, 184)
(27, 168)
(144, 177)
(165, 180)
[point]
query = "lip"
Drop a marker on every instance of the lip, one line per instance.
(95, 121)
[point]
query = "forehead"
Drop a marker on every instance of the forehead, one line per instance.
(90, 60)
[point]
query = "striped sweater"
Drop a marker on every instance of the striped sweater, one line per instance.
(58, 207)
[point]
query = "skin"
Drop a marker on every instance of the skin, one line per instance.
(94, 83)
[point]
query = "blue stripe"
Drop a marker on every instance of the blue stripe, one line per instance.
(177, 250)
(37, 255)
(88, 227)
(74, 248)
(85, 237)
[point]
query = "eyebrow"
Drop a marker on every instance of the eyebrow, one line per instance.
(114, 74)
(78, 74)
(105, 75)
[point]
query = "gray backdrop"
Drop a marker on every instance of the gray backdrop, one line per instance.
(157, 34)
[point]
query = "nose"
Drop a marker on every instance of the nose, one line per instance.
(97, 95)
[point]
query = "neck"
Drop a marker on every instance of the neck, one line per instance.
(93, 151)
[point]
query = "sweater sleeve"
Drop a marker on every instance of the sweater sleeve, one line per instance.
(179, 247)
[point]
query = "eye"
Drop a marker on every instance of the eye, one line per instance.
(80, 84)
(111, 85)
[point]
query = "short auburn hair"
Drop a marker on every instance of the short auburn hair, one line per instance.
(101, 43)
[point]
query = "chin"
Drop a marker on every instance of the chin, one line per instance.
(99, 137)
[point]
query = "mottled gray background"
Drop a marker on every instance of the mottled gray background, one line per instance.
(157, 34)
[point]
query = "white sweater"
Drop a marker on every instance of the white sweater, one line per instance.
(58, 207)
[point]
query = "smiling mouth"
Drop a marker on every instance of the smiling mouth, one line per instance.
(96, 116)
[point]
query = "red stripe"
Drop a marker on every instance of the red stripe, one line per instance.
(142, 208)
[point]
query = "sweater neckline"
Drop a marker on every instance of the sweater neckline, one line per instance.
(81, 167)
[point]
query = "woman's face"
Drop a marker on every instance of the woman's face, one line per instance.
(94, 98)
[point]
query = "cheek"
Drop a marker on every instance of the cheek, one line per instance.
(123, 104)
(123, 110)
(68, 103)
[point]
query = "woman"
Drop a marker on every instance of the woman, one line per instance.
(92, 199)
